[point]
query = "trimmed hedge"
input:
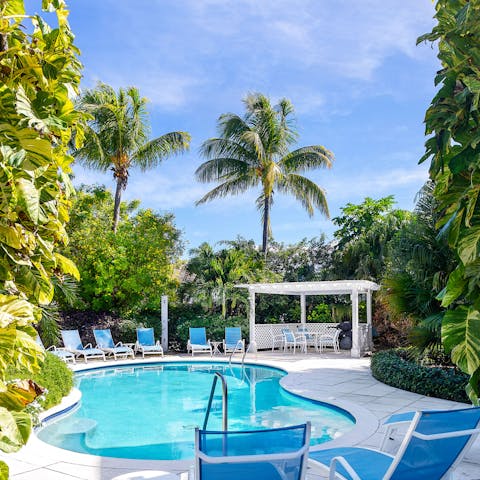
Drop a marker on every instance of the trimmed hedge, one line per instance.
(391, 367)
(54, 376)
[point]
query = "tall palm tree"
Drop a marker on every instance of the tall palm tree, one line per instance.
(254, 151)
(118, 136)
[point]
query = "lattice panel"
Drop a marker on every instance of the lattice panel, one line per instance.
(365, 338)
(264, 333)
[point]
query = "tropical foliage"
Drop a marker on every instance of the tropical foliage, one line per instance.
(453, 123)
(363, 236)
(254, 151)
(213, 276)
(39, 71)
(117, 137)
(418, 268)
(129, 271)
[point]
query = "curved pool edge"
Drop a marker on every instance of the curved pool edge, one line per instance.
(365, 423)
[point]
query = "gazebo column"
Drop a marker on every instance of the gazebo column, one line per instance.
(251, 315)
(369, 319)
(355, 352)
(303, 308)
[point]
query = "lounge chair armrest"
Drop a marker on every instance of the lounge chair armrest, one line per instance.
(158, 343)
(345, 465)
(88, 345)
(118, 344)
(439, 436)
(51, 348)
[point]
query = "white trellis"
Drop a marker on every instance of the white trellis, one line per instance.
(361, 331)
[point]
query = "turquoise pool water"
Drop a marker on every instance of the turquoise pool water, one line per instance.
(150, 412)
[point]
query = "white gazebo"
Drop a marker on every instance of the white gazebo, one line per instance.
(361, 330)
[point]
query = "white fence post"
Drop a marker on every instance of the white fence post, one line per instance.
(165, 322)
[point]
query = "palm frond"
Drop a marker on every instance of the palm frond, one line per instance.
(225, 147)
(152, 153)
(231, 187)
(306, 158)
(221, 169)
(307, 192)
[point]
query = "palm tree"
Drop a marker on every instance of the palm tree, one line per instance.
(117, 136)
(254, 151)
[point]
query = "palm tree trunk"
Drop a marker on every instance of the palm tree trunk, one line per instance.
(266, 221)
(116, 207)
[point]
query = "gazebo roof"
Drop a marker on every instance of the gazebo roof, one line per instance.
(334, 287)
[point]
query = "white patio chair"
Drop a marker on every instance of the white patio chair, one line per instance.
(293, 341)
(330, 340)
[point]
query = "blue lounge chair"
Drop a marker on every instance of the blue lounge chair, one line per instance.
(198, 341)
(73, 344)
(61, 353)
(146, 343)
(275, 454)
(105, 343)
(433, 446)
(233, 341)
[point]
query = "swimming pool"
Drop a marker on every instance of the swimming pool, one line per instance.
(151, 411)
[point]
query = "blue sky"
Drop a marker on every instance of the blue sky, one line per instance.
(351, 68)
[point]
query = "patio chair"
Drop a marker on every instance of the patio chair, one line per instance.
(73, 343)
(293, 341)
(146, 343)
(105, 343)
(274, 454)
(233, 341)
(277, 339)
(330, 340)
(61, 353)
(310, 338)
(198, 342)
(433, 446)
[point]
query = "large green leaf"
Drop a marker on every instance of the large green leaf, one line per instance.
(16, 311)
(468, 244)
(11, 236)
(67, 266)
(455, 286)
(16, 428)
(16, 396)
(4, 471)
(461, 337)
(35, 285)
(29, 198)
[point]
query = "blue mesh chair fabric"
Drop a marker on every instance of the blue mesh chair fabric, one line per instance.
(264, 454)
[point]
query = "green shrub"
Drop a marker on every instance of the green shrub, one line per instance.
(393, 368)
(54, 376)
(321, 313)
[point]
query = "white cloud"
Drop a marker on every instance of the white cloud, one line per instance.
(382, 182)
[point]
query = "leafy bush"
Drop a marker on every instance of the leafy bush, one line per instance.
(393, 368)
(321, 313)
(54, 376)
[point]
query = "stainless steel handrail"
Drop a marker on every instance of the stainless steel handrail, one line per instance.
(224, 401)
(234, 351)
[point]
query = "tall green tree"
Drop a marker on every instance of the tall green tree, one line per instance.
(117, 137)
(453, 123)
(127, 271)
(39, 69)
(364, 233)
(253, 151)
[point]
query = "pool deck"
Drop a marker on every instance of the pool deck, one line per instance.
(334, 378)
